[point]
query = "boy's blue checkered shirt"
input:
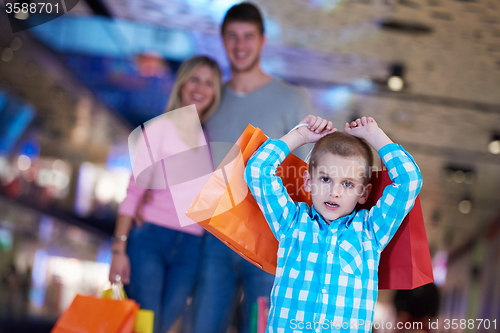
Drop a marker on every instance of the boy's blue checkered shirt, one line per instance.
(327, 275)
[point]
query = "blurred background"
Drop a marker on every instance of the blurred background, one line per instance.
(72, 89)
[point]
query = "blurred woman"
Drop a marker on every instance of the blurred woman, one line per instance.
(158, 259)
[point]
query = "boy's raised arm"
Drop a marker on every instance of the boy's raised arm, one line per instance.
(267, 188)
(367, 129)
(399, 197)
(310, 130)
(260, 173)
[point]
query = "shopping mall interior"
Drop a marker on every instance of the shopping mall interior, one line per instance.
(73, 86)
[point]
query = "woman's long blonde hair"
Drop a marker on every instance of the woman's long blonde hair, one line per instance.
(184, 73)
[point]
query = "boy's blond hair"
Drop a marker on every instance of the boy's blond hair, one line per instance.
(344, 145)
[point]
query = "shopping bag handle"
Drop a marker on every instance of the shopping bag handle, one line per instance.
(308, 157)
(115, 291)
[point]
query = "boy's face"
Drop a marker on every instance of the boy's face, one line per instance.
(337, 185)
(243, 42)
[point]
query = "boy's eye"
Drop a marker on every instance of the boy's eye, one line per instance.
(348, 184)
(325, 179)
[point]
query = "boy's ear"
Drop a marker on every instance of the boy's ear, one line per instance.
(307, 181)
(366, 194)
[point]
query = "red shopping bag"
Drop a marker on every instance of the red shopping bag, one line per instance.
(88, 314)
(405, 262)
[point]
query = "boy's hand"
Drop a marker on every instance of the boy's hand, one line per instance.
(316, 128)
(361, 127)
(367, 128)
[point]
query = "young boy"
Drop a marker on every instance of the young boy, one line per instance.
(327, 274)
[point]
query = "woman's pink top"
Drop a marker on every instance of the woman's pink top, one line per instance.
(160, 210)
(162, 142)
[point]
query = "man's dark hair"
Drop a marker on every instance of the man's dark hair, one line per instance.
(243, 12)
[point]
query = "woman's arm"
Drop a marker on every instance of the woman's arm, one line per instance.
(120, 264)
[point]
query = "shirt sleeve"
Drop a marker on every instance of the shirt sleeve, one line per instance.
(134, 195)
(267, 188)
(399, 197)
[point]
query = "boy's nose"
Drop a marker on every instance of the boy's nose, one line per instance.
(336, 190)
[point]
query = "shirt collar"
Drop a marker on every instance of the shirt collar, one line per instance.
(344, 220)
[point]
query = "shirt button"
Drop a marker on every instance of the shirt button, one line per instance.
(323, 290)
(317, 330)
(329, 253)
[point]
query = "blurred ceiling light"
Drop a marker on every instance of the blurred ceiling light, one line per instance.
(16, 44)
(465, 206)
(7, 54)
(22, 15)
(459, 176)
(494, 145)
(470, 177)
(395, 83)
(23, 162)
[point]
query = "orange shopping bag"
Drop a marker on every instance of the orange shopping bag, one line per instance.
(226, 208)
(89, 314)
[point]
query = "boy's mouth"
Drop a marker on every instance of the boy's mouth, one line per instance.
(331, 205)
